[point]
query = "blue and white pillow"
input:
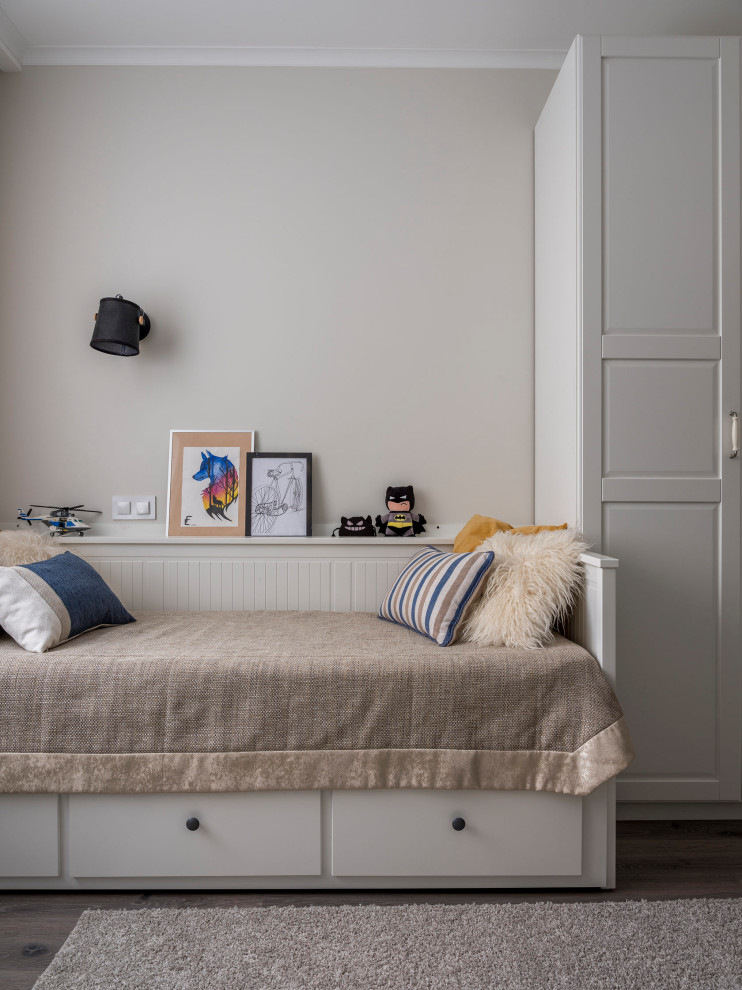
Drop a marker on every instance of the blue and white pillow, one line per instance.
(435, 591)
(47, 603)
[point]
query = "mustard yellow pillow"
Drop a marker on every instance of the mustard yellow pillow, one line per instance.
(480, 528)
(532, 530)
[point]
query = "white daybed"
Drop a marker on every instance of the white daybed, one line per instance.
(63, 827)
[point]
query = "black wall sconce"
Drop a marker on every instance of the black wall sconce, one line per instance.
(119, 326)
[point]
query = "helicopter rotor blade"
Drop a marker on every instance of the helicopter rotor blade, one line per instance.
(64, 508)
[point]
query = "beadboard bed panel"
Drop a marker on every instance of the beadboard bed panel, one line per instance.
(304, 575)
(204, 577)
(247, 585)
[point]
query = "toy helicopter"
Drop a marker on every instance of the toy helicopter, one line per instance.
(61, 520)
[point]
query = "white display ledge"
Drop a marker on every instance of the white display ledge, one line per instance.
(344, 544)
(264, 541)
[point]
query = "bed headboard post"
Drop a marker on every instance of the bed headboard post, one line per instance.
(593, 622)
(593, 626)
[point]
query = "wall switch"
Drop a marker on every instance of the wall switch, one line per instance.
(134, 507)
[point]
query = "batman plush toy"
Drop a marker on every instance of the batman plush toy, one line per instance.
(400, 520)
(355, 526)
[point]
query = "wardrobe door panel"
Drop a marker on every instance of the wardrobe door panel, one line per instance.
(660, 161)
(668, 639)
(660, 418)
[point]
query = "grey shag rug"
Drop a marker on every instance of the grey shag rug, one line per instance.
(630, 945)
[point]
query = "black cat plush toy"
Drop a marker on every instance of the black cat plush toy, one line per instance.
(355, 526)
(400, 520)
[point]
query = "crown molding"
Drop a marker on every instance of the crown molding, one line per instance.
(13, 46)
(385, 58)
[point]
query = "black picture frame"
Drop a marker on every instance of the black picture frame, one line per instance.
(271, 505)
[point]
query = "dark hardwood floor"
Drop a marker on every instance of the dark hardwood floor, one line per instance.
(654, 860)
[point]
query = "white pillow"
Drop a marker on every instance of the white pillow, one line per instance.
(532, 585)
(50, 601)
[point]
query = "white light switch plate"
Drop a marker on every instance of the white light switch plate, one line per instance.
(136, 506)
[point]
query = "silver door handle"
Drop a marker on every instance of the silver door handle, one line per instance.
(735, 434)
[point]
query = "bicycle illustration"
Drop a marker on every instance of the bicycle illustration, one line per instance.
(284, 494)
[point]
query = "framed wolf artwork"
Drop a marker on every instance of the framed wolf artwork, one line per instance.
(207, 491)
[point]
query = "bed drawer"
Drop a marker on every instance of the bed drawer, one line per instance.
(270, 833)
(29, 835)
(407, 833)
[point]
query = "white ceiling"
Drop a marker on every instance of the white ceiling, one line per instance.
(385, 32)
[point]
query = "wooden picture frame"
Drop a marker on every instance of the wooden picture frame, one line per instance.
(207, 484)
(280, 503)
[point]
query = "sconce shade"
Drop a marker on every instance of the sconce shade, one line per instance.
(119, 326)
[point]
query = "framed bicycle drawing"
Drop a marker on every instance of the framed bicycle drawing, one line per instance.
(280, 489)
(208, 489)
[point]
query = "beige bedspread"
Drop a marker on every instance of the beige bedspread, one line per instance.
(232, 701)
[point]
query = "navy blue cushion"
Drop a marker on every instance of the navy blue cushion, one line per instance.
(51, 601)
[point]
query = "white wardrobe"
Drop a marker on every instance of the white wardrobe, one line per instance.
(638, 374)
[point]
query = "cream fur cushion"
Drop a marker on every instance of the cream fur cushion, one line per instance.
(23, 546)
(531, 586)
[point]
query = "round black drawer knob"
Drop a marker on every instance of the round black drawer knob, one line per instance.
(192, 824)
(458, 824)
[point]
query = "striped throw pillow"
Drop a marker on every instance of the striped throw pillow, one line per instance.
(435, 590)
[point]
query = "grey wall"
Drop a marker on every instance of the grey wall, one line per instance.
(339, 259)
